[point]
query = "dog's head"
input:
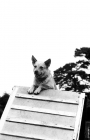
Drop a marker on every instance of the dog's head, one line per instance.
(41, 68)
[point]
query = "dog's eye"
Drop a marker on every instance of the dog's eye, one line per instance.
(41, 68)
(35, 66)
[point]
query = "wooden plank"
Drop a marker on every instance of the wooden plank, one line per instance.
(53, 106)
(38, 132)
(46, 111)
(46, 98)
(57, 94)
(12, 137)
(45, 118)
(79, 117)
(39, 123)
(7, 108)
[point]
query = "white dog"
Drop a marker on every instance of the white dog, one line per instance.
(43, 78)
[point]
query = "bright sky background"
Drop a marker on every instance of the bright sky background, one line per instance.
(45, 28)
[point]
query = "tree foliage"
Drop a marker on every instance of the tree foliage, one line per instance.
(73, 76)
(84, 51)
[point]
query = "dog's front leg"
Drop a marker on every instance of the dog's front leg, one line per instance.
(31, 89)
(37, 91)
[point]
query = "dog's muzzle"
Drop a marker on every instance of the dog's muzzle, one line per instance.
(36, 73)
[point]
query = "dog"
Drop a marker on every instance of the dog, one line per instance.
(43, 79)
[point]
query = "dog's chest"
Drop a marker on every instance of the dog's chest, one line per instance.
(39, 81)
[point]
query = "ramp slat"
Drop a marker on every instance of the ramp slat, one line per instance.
(46, 105)
(13, 137)
(55, 94)
(39, 132)
(39, 123)
(46, 98)
(44, 111)
(45, 118)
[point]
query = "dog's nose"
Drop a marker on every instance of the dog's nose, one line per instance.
(36, 72)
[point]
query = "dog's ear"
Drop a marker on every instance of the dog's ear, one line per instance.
(47, 62)
(33, 60)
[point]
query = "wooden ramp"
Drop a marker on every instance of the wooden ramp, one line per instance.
(51, 115)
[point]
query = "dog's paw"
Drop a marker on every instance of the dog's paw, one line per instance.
(31, 90)
(37, 91)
